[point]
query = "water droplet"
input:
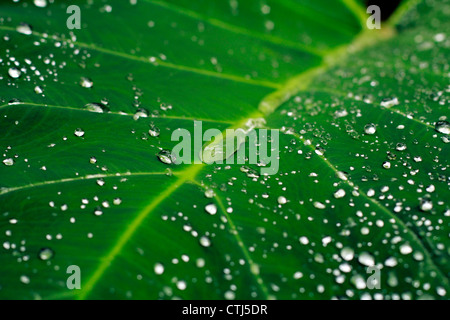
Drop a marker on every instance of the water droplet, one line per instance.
(347, 254)
(46, 254)
(205, 242)
(79, 132)
(209, 193)
(426, 205)
(14, 73)
(401, 146)
(154, 131)
(339, 194)
(86, 83)
(159, 269)
(282, 200)
(211, 209)
(40, 3)
(166, 157)
(8, 162)
(181, 285)
(24, 29)
(38, 90)
(140, 113)
(370, 129)
(389, 102)
(405, 249)
(366, 259)
(304, 240)
(24, 279)
(443, 127)
(386, 165)
(319, 205)
(97, 107)
(230, 295)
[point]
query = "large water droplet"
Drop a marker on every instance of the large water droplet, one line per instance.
(8, 162)
(166, 157)
(96, 107)
(443, 127)
(14, 73)
(24, 29)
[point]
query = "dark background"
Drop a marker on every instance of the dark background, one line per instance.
(387, 7)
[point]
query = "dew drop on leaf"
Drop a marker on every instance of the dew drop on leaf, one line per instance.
(426, 205)
(79, 132)
(400, 146)
(159, 269)
(370, 129)
(40, 3)
(45, 254)
(96, 107)
(14, 73)
(389, 102)
(211, 209)
(24, 279)
(24, 29)
(366, 259)
(166, 157)
(154, 131)
(86, 83)
(443, 127)
(205, 242)
(8, 162)
(282, 200)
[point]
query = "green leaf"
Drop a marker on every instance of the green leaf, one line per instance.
(363, 177)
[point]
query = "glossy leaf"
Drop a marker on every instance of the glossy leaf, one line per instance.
(363, 178)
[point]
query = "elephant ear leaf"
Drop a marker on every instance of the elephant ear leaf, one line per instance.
(94, 206)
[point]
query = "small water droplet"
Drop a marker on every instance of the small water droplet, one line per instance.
(211, 209)
(154, 131)
(166, 157)
(97, 107)
(339, 194)
(40, 3)
(24, 279)
(282, 200)
(386, 165)
(401, 146)
(366, 259)
(405, 249)
(46, 254)
(38, 90)
(79, 132)
(370, 129)
(209, 193)
(205, 242)
(347, 253)
(389, 102)
(159, 269)
(86, 83)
